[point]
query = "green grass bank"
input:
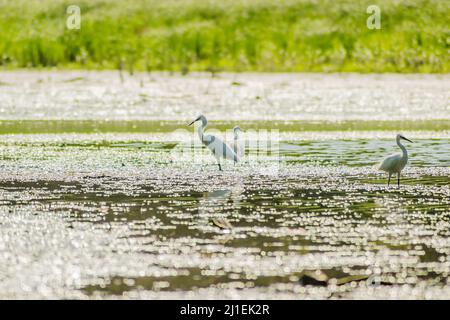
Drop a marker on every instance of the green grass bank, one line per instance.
(228, 35)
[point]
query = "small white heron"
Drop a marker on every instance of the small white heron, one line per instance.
(395, 162)
(219, 148)
(237, 144)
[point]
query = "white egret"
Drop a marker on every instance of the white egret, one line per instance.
(219, 148)
(238, 145)
(395, 162)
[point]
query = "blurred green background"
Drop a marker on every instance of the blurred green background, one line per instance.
(228, 35)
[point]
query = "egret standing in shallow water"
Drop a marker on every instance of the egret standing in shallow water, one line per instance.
(238, 145)
(219, 148)
(395, 162)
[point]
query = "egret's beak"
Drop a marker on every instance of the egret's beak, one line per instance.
(194, 121)
(407, 139)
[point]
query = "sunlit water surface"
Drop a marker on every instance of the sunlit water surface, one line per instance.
(89, 209)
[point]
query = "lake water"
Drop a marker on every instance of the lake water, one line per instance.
(103, 193)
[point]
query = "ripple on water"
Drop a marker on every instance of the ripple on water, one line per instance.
(123, 219)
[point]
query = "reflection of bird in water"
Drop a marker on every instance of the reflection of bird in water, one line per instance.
(212, 201)
(211, 205)
(395, 162)
(218, 194)
(237, 144)
(215, 204)
(219, 148)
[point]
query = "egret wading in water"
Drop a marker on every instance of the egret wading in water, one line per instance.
(219, 148)
(395, 162)
(238, 145)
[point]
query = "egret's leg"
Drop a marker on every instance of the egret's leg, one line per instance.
(398, 179)
(217, 155)
(389, 179)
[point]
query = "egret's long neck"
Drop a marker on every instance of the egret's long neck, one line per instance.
(401, 146)
(200, 131)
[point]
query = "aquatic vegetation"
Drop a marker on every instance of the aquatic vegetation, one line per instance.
(124, 220)
(95, 208)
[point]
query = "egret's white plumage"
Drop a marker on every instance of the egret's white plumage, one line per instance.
(395, 162)
(237, 144)
(219, 148)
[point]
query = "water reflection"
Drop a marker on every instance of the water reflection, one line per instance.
(116, 218)
(220, 207)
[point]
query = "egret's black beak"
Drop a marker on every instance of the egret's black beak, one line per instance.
(407, 139)
(194, 121)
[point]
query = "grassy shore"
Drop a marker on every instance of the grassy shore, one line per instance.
(229, 35)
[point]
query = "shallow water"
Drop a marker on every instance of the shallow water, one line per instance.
(92, 208)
